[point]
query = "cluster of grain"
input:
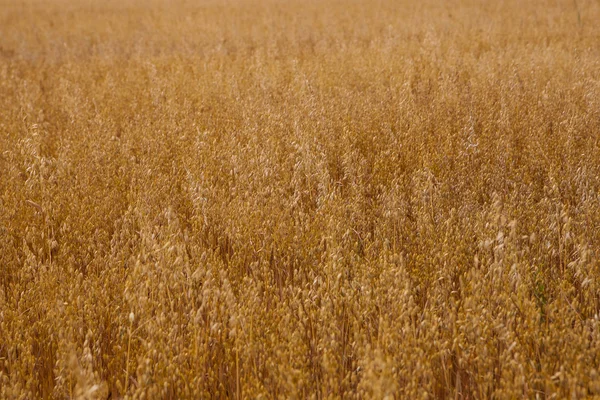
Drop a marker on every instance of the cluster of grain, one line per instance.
(299, 199)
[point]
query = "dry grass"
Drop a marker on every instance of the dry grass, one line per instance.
(299, 199)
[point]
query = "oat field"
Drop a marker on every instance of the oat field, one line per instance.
(285, 199)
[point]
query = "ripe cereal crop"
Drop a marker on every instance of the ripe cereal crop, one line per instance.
(332, 199)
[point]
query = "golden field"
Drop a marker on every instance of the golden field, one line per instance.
(361, 199)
